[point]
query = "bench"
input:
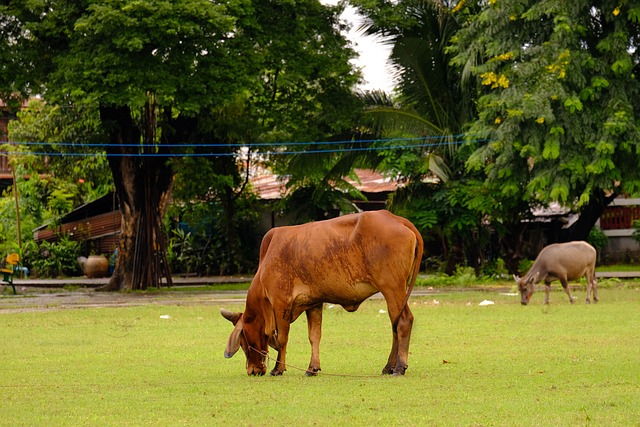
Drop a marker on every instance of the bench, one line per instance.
(9, 269)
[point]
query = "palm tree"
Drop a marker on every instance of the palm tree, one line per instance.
(431, 102)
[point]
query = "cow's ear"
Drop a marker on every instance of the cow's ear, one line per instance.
(234, 340)
(231, 316)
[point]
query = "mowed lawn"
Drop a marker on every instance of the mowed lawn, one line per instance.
(470, 365)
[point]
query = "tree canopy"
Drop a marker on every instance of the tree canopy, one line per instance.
(559, 98)
(167, 78)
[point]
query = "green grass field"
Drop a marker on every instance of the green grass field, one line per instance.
(470, 365)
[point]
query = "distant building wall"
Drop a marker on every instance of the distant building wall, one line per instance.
(616, 222)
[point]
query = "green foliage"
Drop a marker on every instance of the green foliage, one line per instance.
(598, 239)
(171, 73)
(218, 234)
(53, 259)
(636, 230)
(63, 138)
(525, 265)
(558, 80)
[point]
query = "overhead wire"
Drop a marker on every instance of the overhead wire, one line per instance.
(444, 140)
(252, 144)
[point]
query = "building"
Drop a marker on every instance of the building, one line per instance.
(616, 222)
(271, 188)
(96, 224)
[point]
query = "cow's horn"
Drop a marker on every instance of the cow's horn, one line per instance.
(231, 316)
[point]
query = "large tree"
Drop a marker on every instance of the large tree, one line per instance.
(158, 71)
(431, 105)
(559, 101)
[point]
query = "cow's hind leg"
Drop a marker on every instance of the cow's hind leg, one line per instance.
(314, 325)
(399, 356)
(393, 356)
(592, 287)
(404, 326)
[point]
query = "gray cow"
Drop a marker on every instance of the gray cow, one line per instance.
(563, 262)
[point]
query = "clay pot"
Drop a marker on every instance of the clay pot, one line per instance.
(96, 266)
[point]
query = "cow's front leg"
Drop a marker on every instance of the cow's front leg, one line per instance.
(283, 338)
(547, 290)
(567, 289)
(314, 325)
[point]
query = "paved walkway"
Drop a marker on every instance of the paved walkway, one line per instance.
(212, 280)
(95, 283)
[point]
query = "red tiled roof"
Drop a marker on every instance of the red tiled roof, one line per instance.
(273, 187)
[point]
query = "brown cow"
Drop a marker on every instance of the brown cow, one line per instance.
(341, 261)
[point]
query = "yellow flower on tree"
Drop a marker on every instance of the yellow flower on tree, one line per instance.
(458, 6)
(503, 81)
(616, 11)
(491, 79)
(540, 120)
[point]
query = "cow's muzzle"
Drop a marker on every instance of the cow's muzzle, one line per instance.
(256, 370)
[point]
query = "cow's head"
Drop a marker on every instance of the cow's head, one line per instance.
(526, 286)
(249, 334)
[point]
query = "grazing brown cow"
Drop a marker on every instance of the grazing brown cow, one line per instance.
(341, 261)
(563, 262)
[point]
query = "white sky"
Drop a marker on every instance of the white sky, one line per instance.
(373, 55)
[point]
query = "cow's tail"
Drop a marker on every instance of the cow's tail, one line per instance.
(417, 260)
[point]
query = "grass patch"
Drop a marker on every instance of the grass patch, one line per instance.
(618, 267)
(502, 364)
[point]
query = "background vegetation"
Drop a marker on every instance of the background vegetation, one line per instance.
(499, 109)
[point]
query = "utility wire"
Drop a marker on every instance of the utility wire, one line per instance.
(446, 138)
(213, 154)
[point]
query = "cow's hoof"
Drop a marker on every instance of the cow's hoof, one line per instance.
(399, 370)
(388, 370)
(312, 372)
(276, 373)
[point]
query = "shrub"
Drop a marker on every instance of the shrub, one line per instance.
(54, 259)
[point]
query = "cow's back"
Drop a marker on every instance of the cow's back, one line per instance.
(337, 255)
(571, 257)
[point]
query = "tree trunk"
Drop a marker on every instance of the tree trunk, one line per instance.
(580, 229)
(511, 244)
(143, 187)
